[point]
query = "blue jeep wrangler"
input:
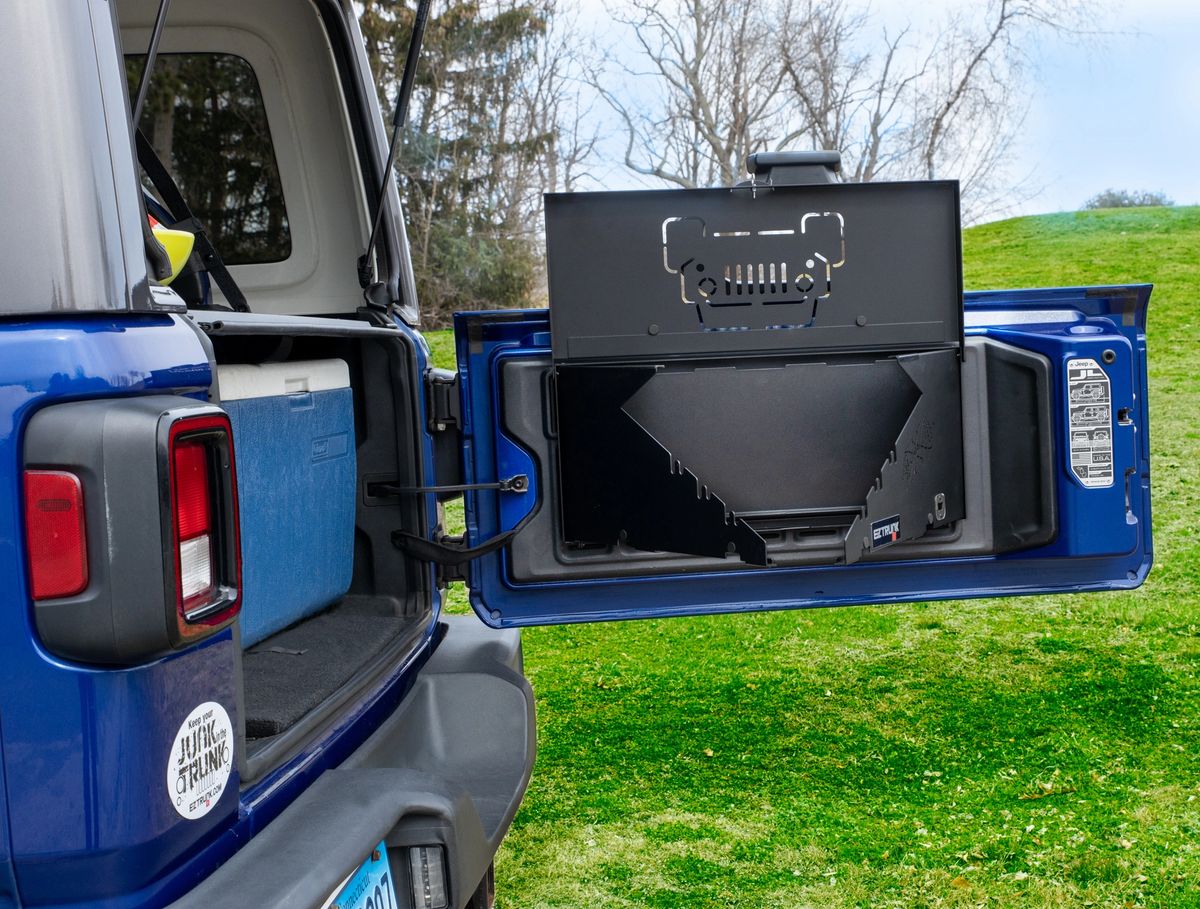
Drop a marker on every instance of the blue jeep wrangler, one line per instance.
(225, 675)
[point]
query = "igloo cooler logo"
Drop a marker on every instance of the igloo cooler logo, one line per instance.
(779, 274)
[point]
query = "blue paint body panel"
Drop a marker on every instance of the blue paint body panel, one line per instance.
(1104, 539)
(298, 542)
(8, 881)
(85, 819)
(77, 779)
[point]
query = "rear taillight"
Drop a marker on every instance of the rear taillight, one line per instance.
(154, 565)
(55, 537)
(203, 520)
(193, 521)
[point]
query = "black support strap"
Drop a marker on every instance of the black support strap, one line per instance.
(454, 555)
(448, 554)
(177, 205)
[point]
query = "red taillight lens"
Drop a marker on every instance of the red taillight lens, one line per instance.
(204, 523)
(193, 503)
(54, 534)
(193, 521)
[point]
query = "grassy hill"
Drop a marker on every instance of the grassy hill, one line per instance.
(1034, 752)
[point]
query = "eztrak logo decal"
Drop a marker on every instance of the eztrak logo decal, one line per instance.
(885, 531)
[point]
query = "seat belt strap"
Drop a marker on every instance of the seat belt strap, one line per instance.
(185, 220)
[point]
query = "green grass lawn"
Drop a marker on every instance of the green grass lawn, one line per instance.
(1019, 752)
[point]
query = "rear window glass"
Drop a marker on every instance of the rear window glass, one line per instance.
(204, 115)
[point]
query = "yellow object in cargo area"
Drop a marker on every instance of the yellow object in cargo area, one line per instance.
(178, 244)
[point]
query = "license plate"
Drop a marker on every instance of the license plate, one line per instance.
(370, 887)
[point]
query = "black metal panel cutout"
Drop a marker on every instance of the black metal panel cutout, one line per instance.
(700, 459)
(712, 272)
(735, 362)
(621, 484)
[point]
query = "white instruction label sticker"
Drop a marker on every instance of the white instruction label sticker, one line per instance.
(1089, 401)
(201, 760)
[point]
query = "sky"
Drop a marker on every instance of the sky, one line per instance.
(1126, 115)
(1121, 110)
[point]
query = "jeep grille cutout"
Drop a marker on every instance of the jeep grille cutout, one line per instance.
(786, 266)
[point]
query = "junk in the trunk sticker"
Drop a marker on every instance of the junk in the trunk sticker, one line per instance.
(201, 760)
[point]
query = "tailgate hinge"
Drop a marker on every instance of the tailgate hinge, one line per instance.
(442, 403)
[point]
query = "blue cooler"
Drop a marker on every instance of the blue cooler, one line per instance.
(293, 439)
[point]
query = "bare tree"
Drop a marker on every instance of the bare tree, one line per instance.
(560, 106)
(979, 66)
(849, 98)
(715, 85)
(969, 106)
(728, 77)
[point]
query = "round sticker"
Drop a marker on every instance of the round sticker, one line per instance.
(201, 760)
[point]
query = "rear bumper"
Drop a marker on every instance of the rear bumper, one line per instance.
(448, 767)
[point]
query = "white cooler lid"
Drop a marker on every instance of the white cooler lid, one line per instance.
(268, 380)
